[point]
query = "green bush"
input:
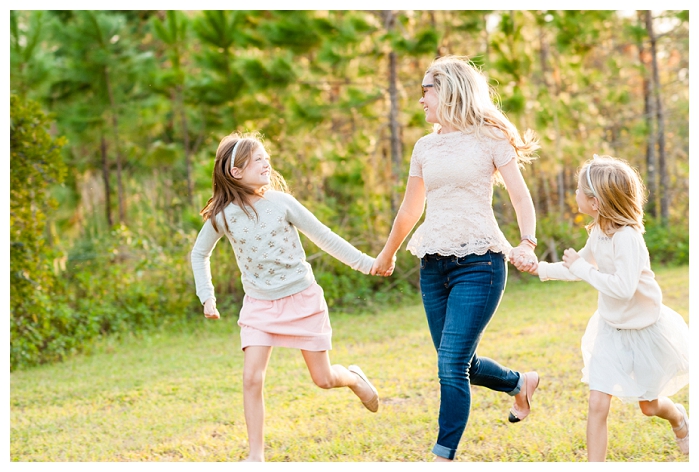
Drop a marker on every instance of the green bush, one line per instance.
(669, 244)
(107, 283)
(35, 165)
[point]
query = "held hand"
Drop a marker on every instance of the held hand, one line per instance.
(384, 264)
(210, 310)
(524, 259)
(570, 255)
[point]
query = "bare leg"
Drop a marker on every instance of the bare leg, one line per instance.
(598, 411)
(328, 376)
(665, 409)
(254, 370)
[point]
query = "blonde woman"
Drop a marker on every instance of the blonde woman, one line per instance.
(635, 348)
(462, 250)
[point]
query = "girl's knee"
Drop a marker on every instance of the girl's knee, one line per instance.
(324, 382)
(253, 379)
(598, 405)
(649, 408)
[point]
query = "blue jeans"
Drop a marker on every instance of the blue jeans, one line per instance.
(460, 295)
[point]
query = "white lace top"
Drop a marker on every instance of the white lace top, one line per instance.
(458, 171)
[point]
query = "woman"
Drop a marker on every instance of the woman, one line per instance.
(462, 251)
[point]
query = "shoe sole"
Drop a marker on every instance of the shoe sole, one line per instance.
(513, 418)
(373, 404)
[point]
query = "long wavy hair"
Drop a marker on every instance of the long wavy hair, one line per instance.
(226, 189)
(619, 190)
(466, 102)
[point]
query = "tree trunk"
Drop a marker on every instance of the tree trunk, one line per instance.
(115, 128)
(553, 91)
(396, 151)
(105, 177)
(648, 113)
(664, 189)
(187, 154)
(561, 182)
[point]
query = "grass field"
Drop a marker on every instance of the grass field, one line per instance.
(176, 395)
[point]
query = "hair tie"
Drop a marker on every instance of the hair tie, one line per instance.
(589, 181)
(235, 147)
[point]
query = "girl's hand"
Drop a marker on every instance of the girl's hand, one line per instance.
(524, 259)
(384, 264)
(210, 310)
(570, 256)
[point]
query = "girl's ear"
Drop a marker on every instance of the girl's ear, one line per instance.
(595, 203)
(236, 172)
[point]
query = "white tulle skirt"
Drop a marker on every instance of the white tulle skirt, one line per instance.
(637, 364)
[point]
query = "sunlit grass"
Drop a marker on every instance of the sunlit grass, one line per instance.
(176, 395)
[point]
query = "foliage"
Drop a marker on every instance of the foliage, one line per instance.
(35, 165)
(145, 96)
(667, 244)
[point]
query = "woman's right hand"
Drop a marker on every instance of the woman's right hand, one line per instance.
(210, 310)
(384, 264)
(524, 259)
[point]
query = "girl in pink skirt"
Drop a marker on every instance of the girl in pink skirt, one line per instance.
(283, 304)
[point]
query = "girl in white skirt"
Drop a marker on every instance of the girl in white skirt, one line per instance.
(635, 348)
(283, 304)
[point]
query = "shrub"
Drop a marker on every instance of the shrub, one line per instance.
(35, 164)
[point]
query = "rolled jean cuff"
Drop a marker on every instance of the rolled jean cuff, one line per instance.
(445, 452)
(518, 388)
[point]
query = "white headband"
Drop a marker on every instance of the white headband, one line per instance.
(589, 181)
(235, 147)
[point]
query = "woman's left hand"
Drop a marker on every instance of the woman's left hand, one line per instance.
(524, 259)
(384, 264)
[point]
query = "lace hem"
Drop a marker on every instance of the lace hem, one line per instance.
(421, 252)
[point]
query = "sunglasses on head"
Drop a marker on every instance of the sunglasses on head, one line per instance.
(424, 86)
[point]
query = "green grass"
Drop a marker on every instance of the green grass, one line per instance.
(176, 395)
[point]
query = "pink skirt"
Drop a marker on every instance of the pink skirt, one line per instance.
(298, 321)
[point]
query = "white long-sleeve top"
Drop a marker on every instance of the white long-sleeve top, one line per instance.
(619, 268)
(268, 250)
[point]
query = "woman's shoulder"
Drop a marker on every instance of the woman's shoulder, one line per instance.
(436, 139)
(497, 134)
(427, 139)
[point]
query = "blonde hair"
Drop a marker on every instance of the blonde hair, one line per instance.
(619, 190)
(466, 103)
(226, 189)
